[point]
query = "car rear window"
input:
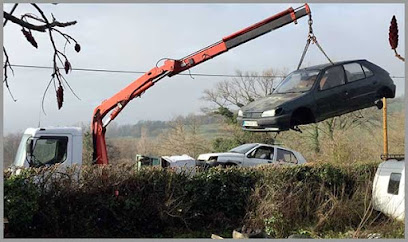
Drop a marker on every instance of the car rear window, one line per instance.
(367, 71)
(354, 72)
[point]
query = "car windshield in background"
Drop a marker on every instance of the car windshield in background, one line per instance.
(243, 148)
(298, 81)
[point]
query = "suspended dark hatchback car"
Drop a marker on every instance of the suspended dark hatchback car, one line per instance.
(316, 93)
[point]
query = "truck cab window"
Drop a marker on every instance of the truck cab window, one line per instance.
(49, 151)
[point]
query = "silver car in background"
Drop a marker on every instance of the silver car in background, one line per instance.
(253, 154)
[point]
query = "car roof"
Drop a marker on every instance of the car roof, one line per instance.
(323, 66)
(276, 146)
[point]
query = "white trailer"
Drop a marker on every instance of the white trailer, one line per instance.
(389, 189)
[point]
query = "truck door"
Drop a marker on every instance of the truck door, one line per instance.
(259, 155)
(51, 149)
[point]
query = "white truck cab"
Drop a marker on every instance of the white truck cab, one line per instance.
(48, 146)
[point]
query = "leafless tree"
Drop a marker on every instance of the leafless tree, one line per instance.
(11, 142)
(182, 138)
(30, 23)
(245, 88)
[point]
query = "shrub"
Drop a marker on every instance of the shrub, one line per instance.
(118, 201)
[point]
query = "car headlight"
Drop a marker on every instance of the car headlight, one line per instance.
(240, 113)
(269, 113)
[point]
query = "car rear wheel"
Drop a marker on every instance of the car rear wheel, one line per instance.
(379, 104)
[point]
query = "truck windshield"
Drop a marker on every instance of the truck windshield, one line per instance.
(49, 150)
(298, 81)
(243, 148)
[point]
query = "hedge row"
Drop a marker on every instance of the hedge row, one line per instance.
(119, 202)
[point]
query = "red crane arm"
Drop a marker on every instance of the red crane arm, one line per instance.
(170, 68)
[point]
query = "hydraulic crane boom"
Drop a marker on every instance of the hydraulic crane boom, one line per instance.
(171, 67)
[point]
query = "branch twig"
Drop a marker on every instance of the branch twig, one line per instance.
(5, 67)
(39, 28)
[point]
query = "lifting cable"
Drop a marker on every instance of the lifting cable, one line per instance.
(311, 37)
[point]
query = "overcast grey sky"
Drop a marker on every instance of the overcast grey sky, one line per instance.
(136, 36)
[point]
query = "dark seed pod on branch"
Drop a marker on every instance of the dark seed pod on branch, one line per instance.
(30, 38)
(393, 34)
(67, 66)
(77, 47)
(60, 96)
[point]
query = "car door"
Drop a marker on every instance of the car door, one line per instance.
(361, 85)
(286, 157)
(331, 94)
(260, 155)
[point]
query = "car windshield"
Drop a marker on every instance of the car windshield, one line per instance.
(298, 81)
(243, 148)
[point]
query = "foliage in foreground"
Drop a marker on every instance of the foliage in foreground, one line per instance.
(118, 201)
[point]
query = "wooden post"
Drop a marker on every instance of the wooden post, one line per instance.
(385, 138)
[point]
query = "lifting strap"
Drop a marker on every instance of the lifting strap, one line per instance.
(311, 37)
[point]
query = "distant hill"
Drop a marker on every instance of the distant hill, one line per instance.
(209, 126)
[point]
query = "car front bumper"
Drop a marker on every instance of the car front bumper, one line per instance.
(267, 124)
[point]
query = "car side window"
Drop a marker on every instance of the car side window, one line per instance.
(286, 156)
(354, 72)
(262, 152)
(367, 72)
(332, 77)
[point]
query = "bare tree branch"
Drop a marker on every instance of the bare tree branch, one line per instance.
(40, 28)
(5, 67)
(58, 56)
(11, 12)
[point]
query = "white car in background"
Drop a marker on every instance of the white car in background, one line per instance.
(253, 154)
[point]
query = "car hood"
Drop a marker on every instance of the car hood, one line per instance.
(270, 102)
(208, 155)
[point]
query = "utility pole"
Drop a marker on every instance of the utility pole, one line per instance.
(385, 133)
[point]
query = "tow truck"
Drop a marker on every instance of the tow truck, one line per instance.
(56, 145)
